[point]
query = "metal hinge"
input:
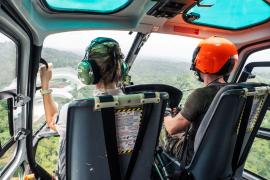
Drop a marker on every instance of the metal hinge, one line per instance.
(203, 5)
(21, 100)
(21, 134)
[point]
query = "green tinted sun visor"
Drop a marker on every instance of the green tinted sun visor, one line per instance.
(88, 6)
(229, 14)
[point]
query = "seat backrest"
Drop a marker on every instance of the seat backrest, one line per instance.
(174, 93)
(224, 133)
(113, 137)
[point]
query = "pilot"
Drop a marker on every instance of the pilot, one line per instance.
(212, 61)
(103, 66)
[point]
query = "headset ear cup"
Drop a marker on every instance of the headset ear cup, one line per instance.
(85, 72)
(227, 68)
(194, 55)
(198, 75)
(94, 73)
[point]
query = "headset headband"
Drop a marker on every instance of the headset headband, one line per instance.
(88, 70)
(100, 40)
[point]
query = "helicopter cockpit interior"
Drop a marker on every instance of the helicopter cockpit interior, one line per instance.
(157, 38)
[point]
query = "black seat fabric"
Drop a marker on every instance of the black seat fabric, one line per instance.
(227, 131)
(174, 93)
(87, 154)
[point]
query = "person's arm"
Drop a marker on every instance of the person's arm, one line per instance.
(177, 124)
(50, 107)
(187, 115)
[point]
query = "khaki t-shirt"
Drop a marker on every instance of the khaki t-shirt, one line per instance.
(194, 110)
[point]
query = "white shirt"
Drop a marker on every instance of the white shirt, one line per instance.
(61, 129)
(61, 124)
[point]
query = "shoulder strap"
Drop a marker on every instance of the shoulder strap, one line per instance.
(218, 85)
(253, 133)
(241, 132)
(108, 119)
(147, 109)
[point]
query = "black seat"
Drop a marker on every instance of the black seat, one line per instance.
(174, 93)
(113, 137)
(227, 132)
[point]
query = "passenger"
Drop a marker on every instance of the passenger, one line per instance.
(213, 60)
(103, 66)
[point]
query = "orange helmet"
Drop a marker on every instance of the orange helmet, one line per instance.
(214, 55)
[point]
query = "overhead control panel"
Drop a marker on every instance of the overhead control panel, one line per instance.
(167, 8)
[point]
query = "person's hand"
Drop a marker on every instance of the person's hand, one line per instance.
(168, 124)
(175, 111)
(168, 112)
(45, 75)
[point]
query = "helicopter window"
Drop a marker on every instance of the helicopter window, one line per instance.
(92, 6)
(8, 82)
(259, 158)
(7, 148)
(229, 14)
(261, 74)
(8, 51)
(7, 157)
(259, 56)
(166, 62)
(65, 55)
(47, 159)
(266, 121)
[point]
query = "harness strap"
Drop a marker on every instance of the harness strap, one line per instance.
(254, 132)
(241, 132)
(108, 118)
(147, 109)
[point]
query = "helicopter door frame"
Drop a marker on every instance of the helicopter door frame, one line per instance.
(244, 73)
(243, 53)
(30, 50)
(247, 70)
(15, 32)
(263, 133)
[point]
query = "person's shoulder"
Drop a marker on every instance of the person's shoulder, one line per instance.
(200, 91)
(206, 90)
(65, 106)
(195, 95)
(203, 92)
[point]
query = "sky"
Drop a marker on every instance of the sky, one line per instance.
(3, 38)
(169, 47)
(159, 46)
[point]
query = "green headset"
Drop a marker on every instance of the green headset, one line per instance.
(88, 70)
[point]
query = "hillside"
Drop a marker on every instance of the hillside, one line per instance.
(61, 58)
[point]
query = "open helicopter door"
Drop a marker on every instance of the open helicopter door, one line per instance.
(15, 101)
